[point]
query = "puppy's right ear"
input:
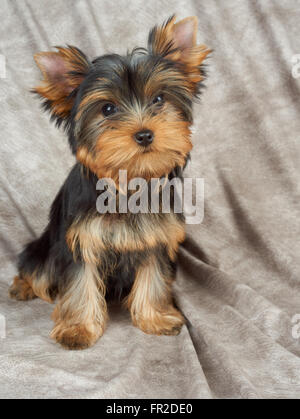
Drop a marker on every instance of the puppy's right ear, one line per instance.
(63, 72)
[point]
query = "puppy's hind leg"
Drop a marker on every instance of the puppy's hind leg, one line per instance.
(34, 279)
(29, 286)
(80, 315)
(21, 289)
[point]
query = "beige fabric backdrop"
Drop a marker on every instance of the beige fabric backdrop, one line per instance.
(238, 281)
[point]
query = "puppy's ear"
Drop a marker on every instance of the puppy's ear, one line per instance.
(63, 71)
(178, 42)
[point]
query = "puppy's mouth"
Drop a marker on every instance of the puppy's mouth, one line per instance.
(147, 150)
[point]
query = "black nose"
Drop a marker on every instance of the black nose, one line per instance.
(144, 138)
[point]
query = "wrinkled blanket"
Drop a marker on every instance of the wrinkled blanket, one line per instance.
(238, 281)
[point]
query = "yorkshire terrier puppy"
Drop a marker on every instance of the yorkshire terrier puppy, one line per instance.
(131, 113)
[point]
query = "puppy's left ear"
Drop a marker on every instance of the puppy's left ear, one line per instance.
(63, 71)
(178, 42)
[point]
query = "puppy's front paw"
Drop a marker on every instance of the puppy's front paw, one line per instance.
(169, 322)
(21, 290)
(75, 337)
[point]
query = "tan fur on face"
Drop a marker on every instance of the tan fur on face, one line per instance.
(116, 149)
(171, 78)
(150, 302)
(103, 95)
(99, 233)
(81, 313)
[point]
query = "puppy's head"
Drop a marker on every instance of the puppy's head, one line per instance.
(128, 112)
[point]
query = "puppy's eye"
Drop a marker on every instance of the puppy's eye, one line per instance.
(158, 100)
(109, 109)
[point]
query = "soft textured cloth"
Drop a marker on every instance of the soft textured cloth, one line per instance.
(238, 280)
